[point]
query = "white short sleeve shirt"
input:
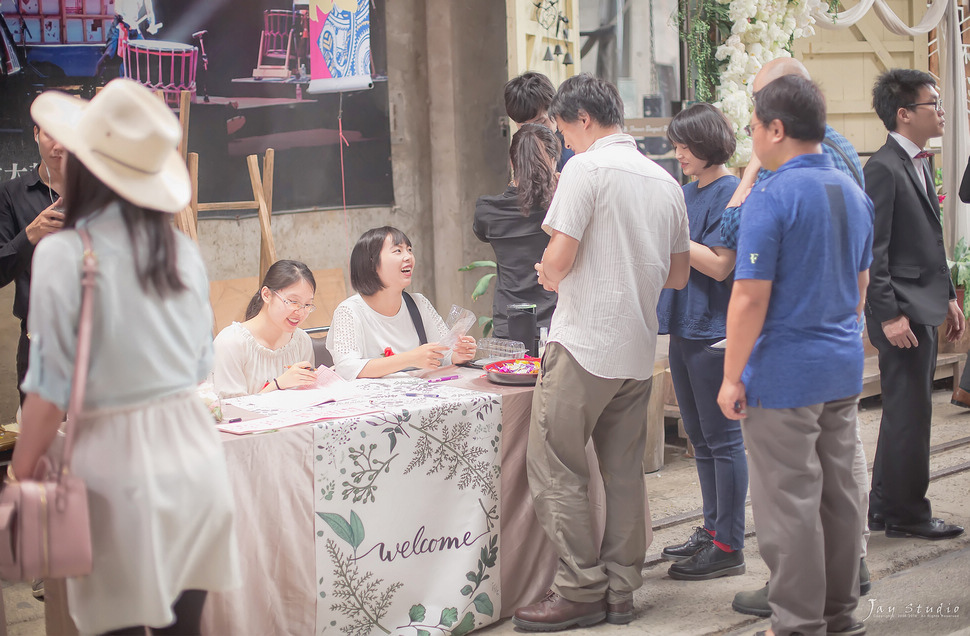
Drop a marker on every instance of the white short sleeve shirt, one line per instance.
(629, 216)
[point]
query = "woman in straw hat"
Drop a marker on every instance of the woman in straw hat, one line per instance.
(159, 494)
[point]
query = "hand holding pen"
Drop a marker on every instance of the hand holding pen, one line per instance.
(299, 374)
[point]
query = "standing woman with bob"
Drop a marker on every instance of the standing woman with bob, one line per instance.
(512, 223)
(375, 333)
(160, 501)
(696, 318)
(269, 351)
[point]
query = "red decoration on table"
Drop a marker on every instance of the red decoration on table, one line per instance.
(388, 352)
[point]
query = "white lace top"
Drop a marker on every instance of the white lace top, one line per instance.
(243, 366)
(359, 334)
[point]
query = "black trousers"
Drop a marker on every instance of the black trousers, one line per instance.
(901, 468)
(23, 349)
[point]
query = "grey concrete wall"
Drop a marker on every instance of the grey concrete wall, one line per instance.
(447, 66)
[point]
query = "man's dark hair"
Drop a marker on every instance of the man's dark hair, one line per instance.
(706, 133)
(598, 97)
(897, 88)
(797, 102)
(366, 258)
(528, 95)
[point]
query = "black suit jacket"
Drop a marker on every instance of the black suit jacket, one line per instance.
(909, 274)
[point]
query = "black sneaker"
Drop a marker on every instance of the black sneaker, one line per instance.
(692, 546)
(710, 563)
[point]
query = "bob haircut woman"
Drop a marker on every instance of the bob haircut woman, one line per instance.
(374, 333)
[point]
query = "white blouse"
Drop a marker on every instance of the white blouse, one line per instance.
(243, 366)
(358, 333)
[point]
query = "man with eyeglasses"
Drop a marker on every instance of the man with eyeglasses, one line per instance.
(910, 294)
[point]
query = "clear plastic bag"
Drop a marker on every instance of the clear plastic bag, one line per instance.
(459, 321)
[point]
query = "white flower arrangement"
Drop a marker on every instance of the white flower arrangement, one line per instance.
(762, 31)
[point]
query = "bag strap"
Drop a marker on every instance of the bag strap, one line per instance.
(415, 318)
(834, 146)
(76, 404)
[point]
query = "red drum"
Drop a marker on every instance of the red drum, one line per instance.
(164, 66)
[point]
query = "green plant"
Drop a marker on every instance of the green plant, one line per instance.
(960, 270)
(481, 287)
(704, 25)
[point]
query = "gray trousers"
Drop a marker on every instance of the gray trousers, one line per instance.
(569, 407)
(807, 514)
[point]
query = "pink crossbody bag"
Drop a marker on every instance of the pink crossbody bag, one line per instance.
(45, 531)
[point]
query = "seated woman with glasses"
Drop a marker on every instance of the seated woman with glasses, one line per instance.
(375, 332)
(269, 352)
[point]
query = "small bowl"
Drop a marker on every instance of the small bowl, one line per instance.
(497, 376)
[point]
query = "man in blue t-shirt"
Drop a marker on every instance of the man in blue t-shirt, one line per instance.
(793, 329)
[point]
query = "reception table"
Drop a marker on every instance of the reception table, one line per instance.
(415, 518)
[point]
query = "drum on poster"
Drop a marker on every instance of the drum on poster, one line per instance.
(161, 65)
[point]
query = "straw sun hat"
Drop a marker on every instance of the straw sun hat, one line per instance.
(126, 137)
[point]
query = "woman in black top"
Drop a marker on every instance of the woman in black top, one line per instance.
(512, 223)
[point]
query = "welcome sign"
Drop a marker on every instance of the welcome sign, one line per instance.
(407, 513)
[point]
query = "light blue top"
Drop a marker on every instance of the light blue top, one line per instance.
(808, 229)
(143, 347)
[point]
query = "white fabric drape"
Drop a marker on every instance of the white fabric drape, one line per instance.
(845, 19)
(956, 139)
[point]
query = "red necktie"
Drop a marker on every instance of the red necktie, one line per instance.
(923, 154)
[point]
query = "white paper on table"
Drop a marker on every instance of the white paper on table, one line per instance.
(300, 416)
(290, 400)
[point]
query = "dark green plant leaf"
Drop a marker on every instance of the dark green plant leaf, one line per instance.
(467, 590)
(339, 526)
(484, 604)
(476, 265)
(448, 616)
(482, 286)
(356, 530)
(416, 614)
(423, 632)
(466, 625)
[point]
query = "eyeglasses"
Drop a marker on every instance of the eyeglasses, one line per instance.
(937, 105)
(294, 305)
(750, 128)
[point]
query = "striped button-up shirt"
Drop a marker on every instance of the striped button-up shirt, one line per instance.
(628, 215)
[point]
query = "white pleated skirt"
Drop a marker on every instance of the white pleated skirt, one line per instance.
(161, 512)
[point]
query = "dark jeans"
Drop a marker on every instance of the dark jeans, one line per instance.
(188, 618)
(722, 468)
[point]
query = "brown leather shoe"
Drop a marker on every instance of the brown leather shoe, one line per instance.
(619, 613)
(960, 398)
(555, 613)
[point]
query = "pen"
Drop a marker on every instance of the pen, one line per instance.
(235, 419)
(445, 379)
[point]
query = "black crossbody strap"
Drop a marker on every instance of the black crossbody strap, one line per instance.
(415, 317)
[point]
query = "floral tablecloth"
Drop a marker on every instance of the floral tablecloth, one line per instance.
(407, 510)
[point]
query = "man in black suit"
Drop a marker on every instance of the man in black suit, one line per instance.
(910, 294)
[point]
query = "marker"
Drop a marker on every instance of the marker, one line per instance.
(235, 419)
(445, 379)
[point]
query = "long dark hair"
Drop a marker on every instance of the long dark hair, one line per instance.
(534, 148)
(151, 230)
(280, 275)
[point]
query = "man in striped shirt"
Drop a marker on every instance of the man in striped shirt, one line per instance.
(618, 227)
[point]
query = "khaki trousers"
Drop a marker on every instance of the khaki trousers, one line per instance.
(807, 514)
(569, 407)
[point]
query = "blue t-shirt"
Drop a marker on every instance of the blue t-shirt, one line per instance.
(808, 229)
(698, 311)
(833, 140)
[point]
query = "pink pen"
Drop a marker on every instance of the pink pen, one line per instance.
(445, 379)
